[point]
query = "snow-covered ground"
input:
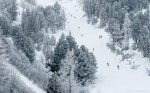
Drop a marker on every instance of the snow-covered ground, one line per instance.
(109, 79)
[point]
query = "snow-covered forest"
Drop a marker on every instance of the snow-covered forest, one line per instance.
(74, 46)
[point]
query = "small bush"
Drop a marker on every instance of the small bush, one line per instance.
(126, 56)
(135, 67)
(148, 71)
(111, 47)
(118, 52)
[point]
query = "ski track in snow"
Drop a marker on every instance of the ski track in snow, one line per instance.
(109, 79)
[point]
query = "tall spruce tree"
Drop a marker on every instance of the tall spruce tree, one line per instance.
(59, 53)
(127, 31)
(85, 67)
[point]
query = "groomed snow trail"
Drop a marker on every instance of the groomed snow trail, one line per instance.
(109, 79)
(24, 79)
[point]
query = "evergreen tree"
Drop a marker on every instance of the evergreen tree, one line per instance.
(67, 70)
(103, 17)
(57, 8)
(47, 47)
(29, 49)
(12, 10)
(54, 84)
(5, 25)
(136, 27)
(24, 43)
(71, 42)
(85, 67)
(59, 53)
(53, 41)
(127, 31)
(143, 43)
(114, 30)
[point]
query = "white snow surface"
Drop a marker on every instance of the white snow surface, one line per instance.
(109, 79)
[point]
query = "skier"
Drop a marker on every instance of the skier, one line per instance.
(107, 64)
(118, 66)
(81, 35)
(100, 36)
(93, 49)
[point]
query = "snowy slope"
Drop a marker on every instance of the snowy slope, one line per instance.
(109, 79)
(25, 80)
(5, 60)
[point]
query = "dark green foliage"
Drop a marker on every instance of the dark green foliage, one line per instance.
(136, 27)
(47, 48)
(85, 67)
(39, 37)
(71, 42)
(54, 84)
(23, 42)
(57, 8)
(12, 10)
(33, 22)
(64, 44)
(55, 17)
(141, 33)
(53, 41)
(41, 19)
(5, 25)
(59, 53)
(8, 8)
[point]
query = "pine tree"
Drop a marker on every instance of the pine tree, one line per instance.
(54, 84)
(29, 49)
(24, 43)
(47, 47)
(5, 25)
(71, 42)
(114, 30)
(12, 10)
(59, 53)
(103, 17)
(85, 67)
(126, 30)
(57, 8)
(67, 70)
(53, 41)
(136, 27)
(3, 47)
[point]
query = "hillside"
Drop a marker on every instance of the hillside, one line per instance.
(127, 72)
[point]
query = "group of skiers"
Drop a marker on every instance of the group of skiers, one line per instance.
(100, 36)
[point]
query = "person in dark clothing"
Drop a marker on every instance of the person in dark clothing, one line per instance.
(118, 66)
(108, 64)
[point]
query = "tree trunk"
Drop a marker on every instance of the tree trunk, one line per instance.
(69, 80)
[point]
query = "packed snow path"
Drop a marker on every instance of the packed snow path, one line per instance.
(110, 79)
